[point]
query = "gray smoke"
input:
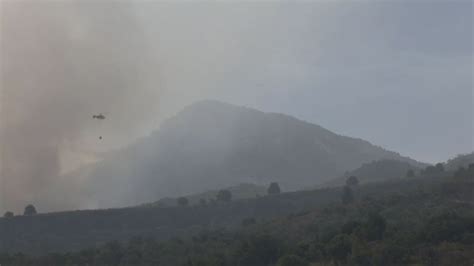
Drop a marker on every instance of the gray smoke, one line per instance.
(136, 62)
(63, 62)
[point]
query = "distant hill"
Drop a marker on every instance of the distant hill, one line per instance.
(75, 230)
(460, 161)
(375, 171)
(210, 145)
(241, 191)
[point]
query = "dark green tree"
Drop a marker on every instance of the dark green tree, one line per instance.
(203, 202)
(391, 253)
(110, 254)
(339, 248)
(8, 214)
(248, 221)
(30, 210)
(352, 181)
(349, 227)
(224, 195)
(376, 225)
(461, 172)
(360, 254)
(436, 169)
(292, 260)
(274, 188)
(347, 195)
(448, 226)
(183, 201)
(410, 173)
(429, 170)
(439, 167)
(258, 250)
(465, 173)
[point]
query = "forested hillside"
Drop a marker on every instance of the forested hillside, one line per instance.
(376, 171)
(412, 220)
(241, 191)
(460, 161)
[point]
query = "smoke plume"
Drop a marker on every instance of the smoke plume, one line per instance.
(62, 63)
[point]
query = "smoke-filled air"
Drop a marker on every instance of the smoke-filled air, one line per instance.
(138, 63)
(229, 124)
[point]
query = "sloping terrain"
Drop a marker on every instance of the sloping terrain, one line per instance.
(211, 145)
(67, 231)
(241, 191)
(376, 171)
(463, 160)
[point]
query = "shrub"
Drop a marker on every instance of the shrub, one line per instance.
(30, 210)
(292, 260)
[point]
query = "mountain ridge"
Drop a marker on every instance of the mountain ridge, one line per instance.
(376, 171)
(210, 144)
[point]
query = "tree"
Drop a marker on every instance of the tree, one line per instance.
(274, 188)
(352, 181)
(465, 173)
(447, 227)
(110, 254)
(460, 173)
(436, 169)
(349, 227)
(339, 248)
(292, 260)
(376, 226)
(203, 202)
(224, 195)
(410, 173)
(248, 221)
(258, 250)
(439, 167)
(30, 210)
(8, 214)
(392, 253)
(347, 195)
(183, 201)
(360, 253)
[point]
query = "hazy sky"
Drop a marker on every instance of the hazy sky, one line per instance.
(396, 73)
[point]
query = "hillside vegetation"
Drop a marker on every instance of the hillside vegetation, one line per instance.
(238, 192)
(376, 171)
(460, 161)
(420, 220)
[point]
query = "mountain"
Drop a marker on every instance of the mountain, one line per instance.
(376, 171)
(210, 145)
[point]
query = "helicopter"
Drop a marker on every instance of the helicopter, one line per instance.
(99, 116)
